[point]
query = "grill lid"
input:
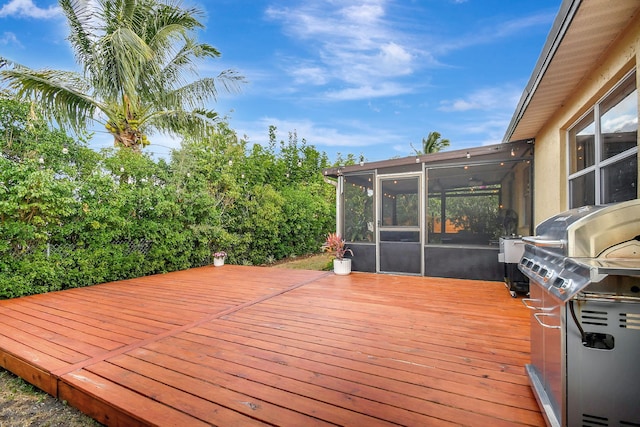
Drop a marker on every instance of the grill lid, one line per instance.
(583, 246)
(554, 229)
(589, 230)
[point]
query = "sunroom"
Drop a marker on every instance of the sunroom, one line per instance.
(439, 214)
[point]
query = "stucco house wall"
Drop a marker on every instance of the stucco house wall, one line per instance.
(550, 168)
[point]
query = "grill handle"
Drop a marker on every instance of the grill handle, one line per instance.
(545, 243)
(529, 303)
(537, 317)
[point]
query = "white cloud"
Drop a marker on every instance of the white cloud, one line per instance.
(491, 33)
(363, 44)
(373, 108)
(9, 38)
(394, 59)
(327, 21)
(497, 98)
(370, 13)
(26, 9)
(367, 92)
(349, 137)
(313, 75)
(352, 42)
(622, 123)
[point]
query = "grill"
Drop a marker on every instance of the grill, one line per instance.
(584, 275)
(511, 251)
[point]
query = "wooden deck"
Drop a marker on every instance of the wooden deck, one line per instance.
(242, 346)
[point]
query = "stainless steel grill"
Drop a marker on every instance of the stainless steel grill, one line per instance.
(584, 271)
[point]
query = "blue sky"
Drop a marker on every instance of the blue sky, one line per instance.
(368, 77)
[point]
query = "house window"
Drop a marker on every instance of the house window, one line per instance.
(603, 149)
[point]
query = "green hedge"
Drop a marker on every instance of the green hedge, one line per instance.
(70, 216)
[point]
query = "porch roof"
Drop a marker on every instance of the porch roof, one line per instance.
(476, 155)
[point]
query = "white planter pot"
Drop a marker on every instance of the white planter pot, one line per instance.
(342, 267)
(218, 262)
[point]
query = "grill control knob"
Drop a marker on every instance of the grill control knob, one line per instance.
(545, 274)
(561, 284)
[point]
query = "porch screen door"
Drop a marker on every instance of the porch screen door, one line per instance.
(399, 224)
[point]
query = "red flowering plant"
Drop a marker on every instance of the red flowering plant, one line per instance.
(336, 245)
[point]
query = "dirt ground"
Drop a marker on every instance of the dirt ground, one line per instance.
(22, 405)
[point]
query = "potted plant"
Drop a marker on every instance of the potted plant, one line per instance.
(218, 258)
(336, 245)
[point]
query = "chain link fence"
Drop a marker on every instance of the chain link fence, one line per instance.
(49, 250)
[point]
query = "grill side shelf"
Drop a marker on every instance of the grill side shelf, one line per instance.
(615, 267)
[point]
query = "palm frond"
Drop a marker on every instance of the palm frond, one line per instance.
(132, 58)
(80, 17)
(192, 95)
(173, 72)
(196, 94)
(167, 24)
(139, 59)
(61, 95)
(198, 124)
(4, 62)
(205, 50)
(231, 80)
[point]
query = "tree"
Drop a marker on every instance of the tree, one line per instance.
(432, 144)
(136, 56)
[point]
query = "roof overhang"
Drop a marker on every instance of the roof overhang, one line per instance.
(579, 38)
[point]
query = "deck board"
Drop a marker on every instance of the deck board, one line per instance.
(259, 346)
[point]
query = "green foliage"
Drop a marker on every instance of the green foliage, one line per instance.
(72, 217)
(433, 143)
(470, 212)
(476, 214)
(358, 205)
(138, 75)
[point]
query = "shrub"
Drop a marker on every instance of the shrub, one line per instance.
(70, 216)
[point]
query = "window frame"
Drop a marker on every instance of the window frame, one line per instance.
(599, 163)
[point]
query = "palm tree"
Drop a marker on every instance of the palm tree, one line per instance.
(137, 58)
(433, 143)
